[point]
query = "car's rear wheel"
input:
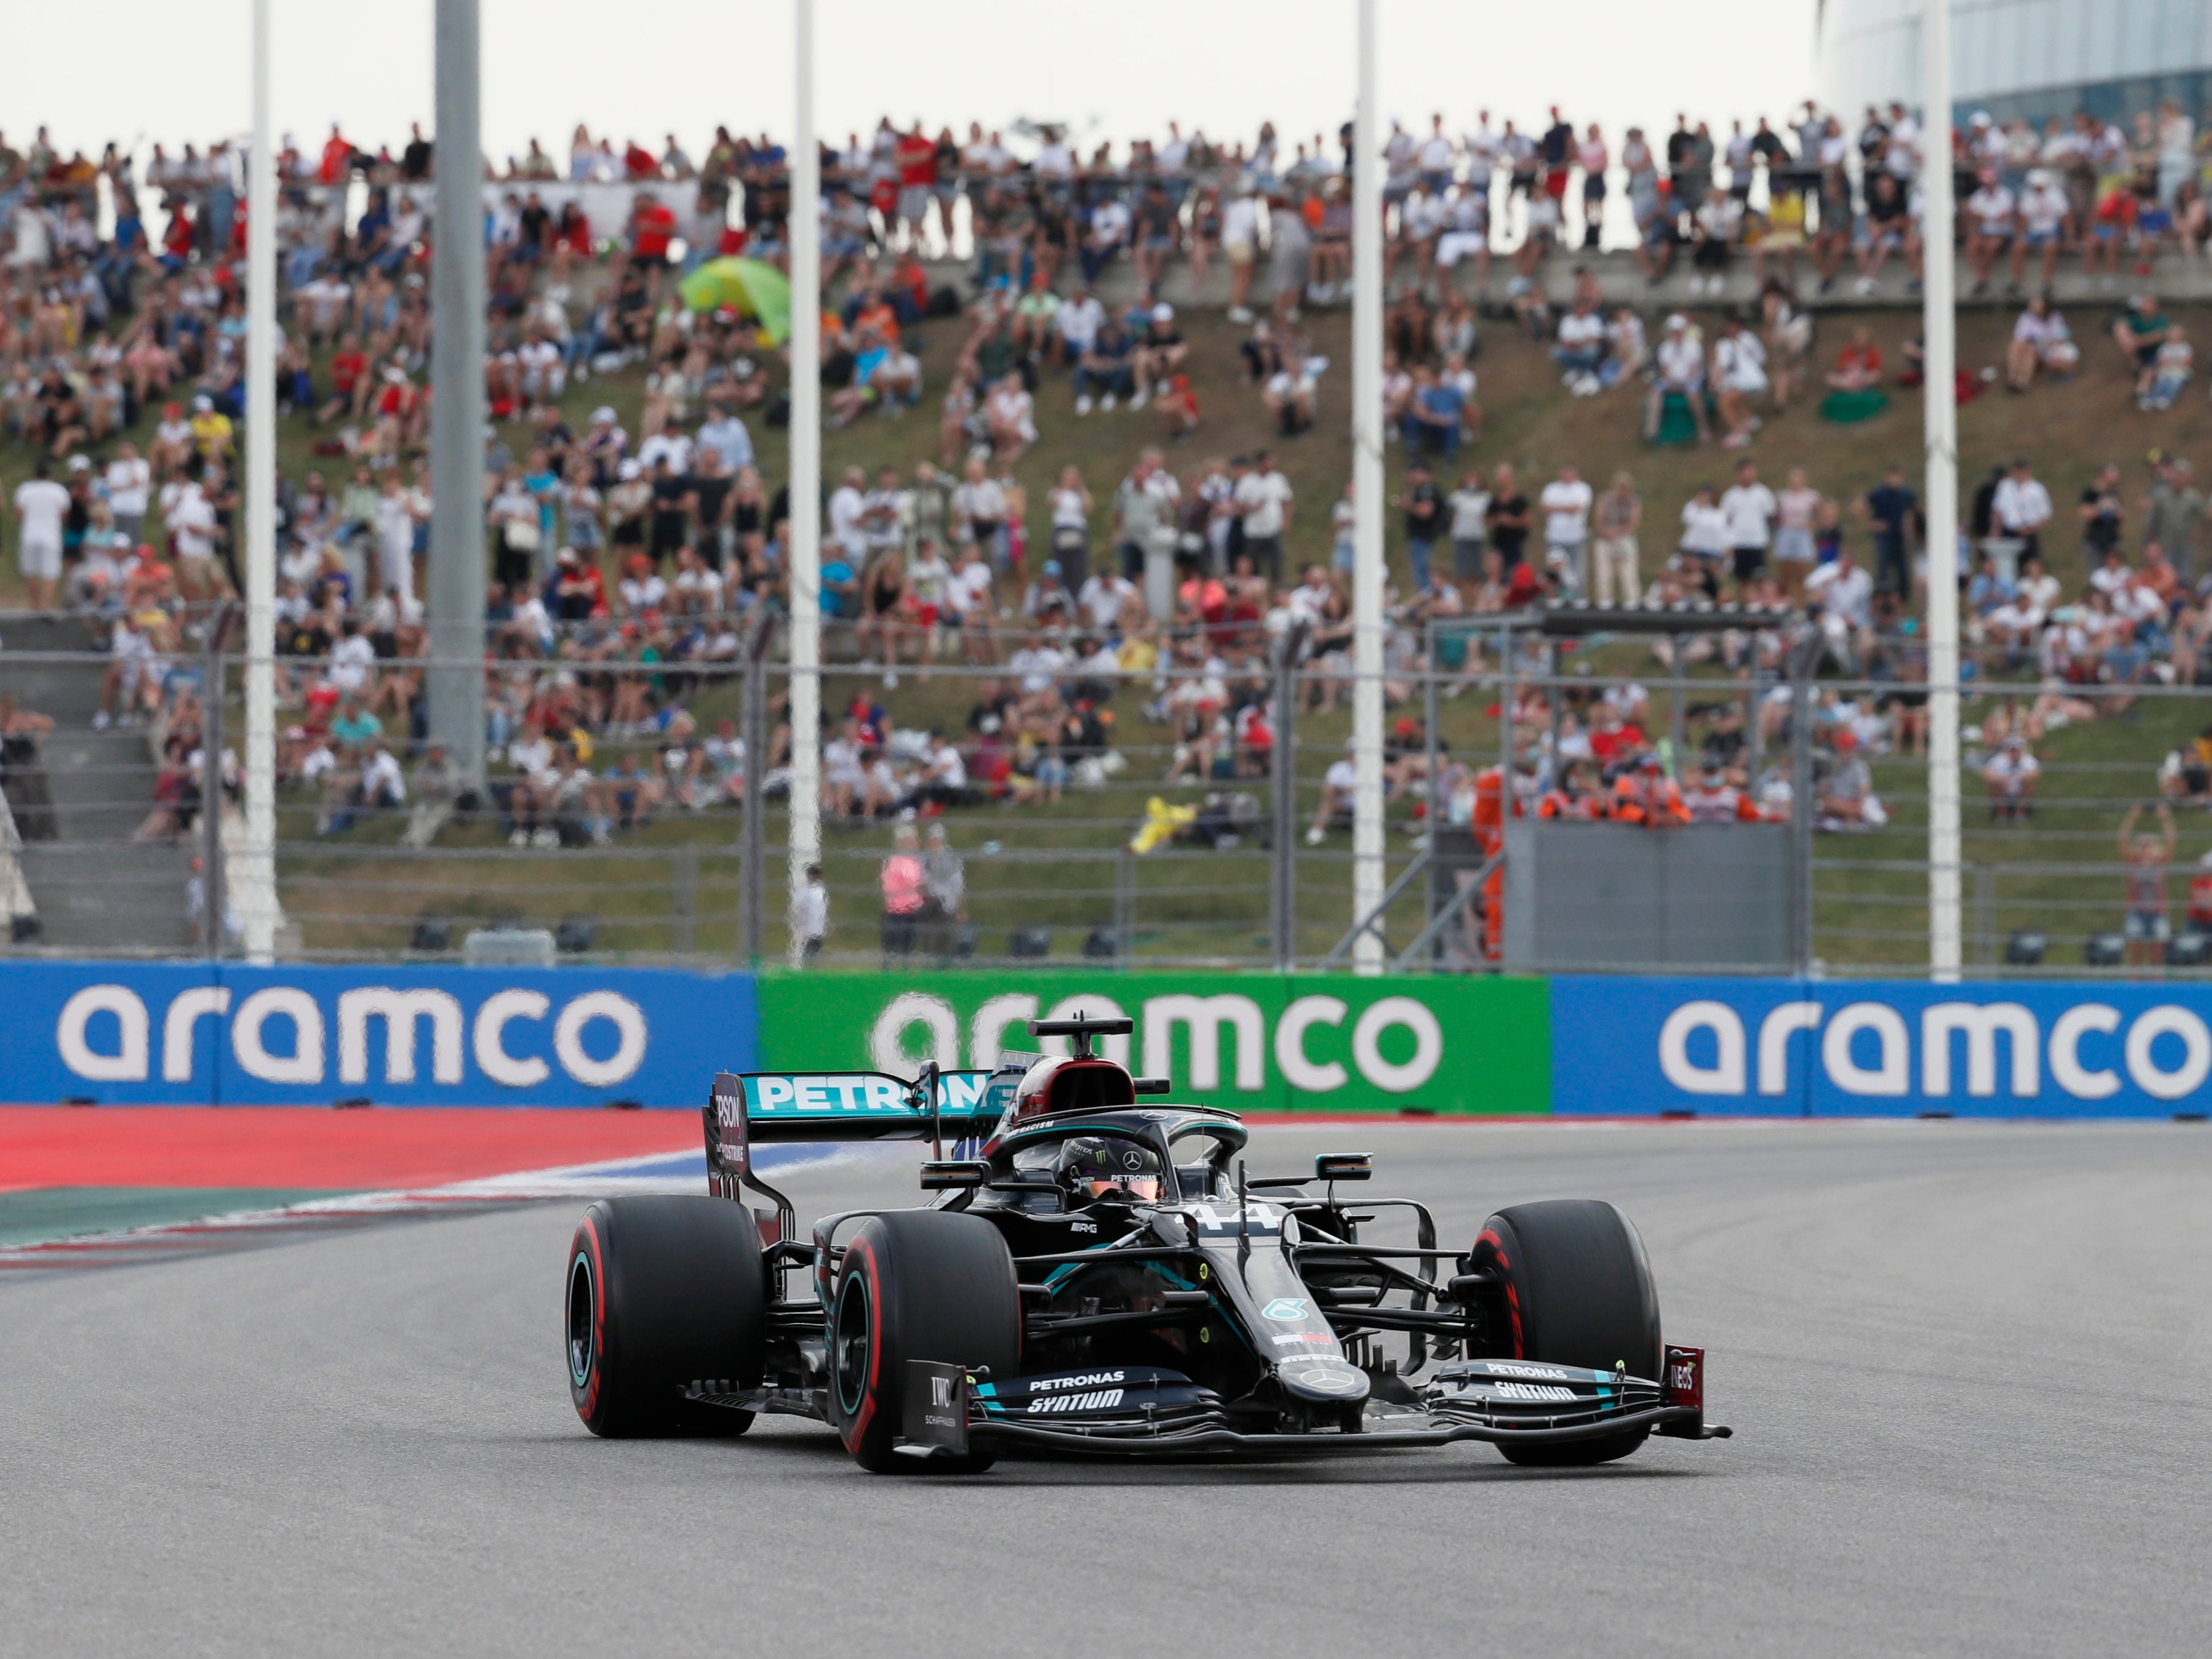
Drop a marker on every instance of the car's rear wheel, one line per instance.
(916, 1285)
(663, 1292)
(1574, 1288)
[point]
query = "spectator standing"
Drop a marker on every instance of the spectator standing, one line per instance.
(1566, 502)
(2101, 513)
(1750, 509)
(901, 882)
(1424, 507)
(42, 506)
(944, 893)
(1891, 507)
(1796, 540)
(2147, 856)
(810, 916)
(1263, 503)
(2020, 508)
(1616, 519)
(2174, 516)
(1470, 512)
(1509, 518)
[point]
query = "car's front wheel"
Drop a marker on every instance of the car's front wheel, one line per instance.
(916, 1285)
(1573, 1287)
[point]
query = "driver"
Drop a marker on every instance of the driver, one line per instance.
(1094, 1170)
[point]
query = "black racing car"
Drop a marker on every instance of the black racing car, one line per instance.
(1101, 1276)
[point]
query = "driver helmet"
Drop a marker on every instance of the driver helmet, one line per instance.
(1092, 1167)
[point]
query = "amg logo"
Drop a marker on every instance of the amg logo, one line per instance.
(1531, 1391)
(1515, 1368)
(1097, 1399)
(940, 1391)
(1083, 1380)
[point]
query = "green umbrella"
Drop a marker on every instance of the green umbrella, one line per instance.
(745, 286)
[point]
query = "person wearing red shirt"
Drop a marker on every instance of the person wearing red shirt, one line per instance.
(337, 159)
(652, 228)
(639, 162)
(916, 157)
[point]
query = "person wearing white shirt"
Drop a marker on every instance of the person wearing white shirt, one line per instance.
(2021, 507)
(1739, 376)
(848, 516)
(2043, 209)
(395, 537)
(1240, 247)
(130, 484)
(668, 444)
(1843, 589)
(2040, 341)
(1990, 211)
(1078, 321)
(726, 434)
(192, 528)
(1102, 598)
(41, 506)
(1262, 500)
(1566, 503)
(1750, 509)
(1681, 362)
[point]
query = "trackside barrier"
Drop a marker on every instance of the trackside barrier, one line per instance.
(199, 1033)
(1875, 1048)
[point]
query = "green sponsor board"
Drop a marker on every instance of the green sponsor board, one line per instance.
(1248, 1042)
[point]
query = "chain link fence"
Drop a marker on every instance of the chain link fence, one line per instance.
(1177, 812)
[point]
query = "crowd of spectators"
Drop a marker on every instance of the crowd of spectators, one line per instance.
(627, 562)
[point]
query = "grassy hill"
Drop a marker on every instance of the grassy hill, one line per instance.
(671, 887)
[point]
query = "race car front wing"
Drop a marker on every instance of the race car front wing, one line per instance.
(1143, 1412)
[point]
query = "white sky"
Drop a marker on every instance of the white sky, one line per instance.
(154, 70)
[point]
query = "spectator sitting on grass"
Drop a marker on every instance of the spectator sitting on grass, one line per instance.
(2169, 373)
(1858, 365)
(2010, 774)
(1681, 362)
(1160, 353)
(1105, 371)
(2040, 341)
(1581, 346)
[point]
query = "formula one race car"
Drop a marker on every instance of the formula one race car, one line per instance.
(1098, 1277)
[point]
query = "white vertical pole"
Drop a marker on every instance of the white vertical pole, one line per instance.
(1939, 322)
(254, 885)
(805, 551)
(455, 681)
(1367, 864)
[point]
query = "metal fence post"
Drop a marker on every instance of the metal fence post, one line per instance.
(751, 875)
(1800, 795)
(1985, 911)
(1283, 896)
(683, 900)
(212, 896)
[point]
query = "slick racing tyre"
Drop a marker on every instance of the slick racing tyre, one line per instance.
(1575, 1289)
(662, 1291)
(916, 1285)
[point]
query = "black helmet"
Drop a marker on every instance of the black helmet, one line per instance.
(1092, 1167)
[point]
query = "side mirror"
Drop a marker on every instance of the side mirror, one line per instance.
(950, 1175)
(1343, 1166)
(1152, 1085)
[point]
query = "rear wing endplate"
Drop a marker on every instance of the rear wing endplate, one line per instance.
(743, 1108)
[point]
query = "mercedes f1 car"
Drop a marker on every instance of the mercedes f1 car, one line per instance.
(1098, 1277)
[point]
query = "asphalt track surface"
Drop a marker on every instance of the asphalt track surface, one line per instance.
(1967, 1365)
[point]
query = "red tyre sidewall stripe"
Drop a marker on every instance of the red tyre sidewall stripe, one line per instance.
(587, 1236)
(856, 1430)
(1489, 1235)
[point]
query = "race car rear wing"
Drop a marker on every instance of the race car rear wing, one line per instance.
(836, 1106)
